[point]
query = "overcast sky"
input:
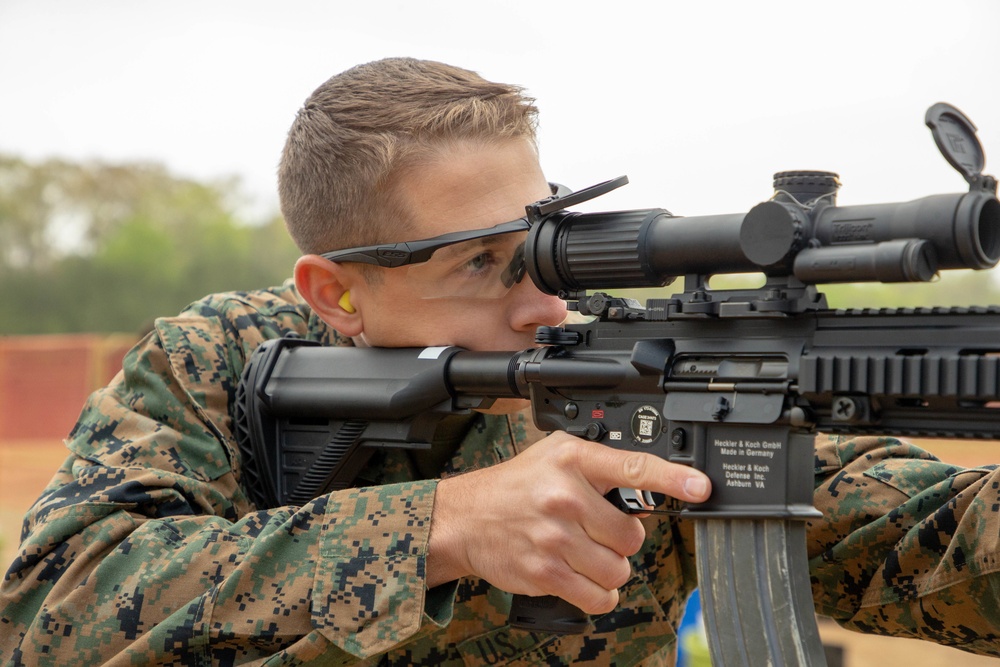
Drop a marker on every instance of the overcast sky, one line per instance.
(697, 102)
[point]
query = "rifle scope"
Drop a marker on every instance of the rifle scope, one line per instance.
(800, 232)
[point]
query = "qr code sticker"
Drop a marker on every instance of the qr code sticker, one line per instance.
(646, 427)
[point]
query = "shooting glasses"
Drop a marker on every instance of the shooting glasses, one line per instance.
(477, 263)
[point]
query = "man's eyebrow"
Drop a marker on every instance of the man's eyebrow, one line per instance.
(460, 248)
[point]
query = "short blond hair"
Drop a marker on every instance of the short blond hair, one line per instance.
(361, 129)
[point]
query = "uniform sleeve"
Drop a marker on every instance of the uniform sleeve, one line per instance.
(144, 543)
(908, 546)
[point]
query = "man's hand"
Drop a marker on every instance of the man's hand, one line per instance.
(538, 524)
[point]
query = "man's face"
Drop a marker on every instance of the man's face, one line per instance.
(469, 186)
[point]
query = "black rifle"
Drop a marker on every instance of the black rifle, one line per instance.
(733, 382)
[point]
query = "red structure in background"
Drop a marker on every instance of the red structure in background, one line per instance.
(44, 380)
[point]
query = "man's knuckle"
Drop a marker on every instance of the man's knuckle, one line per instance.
(545, 573)
(614, 574)
(633, 537)
(557, 500)
(553, 541)
(566, 453)
(600, 601)
(634, 468)
(622, 574)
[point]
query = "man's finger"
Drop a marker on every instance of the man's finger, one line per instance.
(608, 468)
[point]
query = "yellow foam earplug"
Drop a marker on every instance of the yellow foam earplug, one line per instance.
(345, 302)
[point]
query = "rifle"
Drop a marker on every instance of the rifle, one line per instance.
(734, 382)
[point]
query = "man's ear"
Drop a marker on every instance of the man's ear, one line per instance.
(324, 284)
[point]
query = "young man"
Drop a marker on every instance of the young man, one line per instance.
(146, 547)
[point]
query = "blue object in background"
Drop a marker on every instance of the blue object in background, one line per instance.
(692, 643)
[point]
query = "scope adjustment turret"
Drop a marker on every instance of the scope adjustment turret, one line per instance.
(806, 186)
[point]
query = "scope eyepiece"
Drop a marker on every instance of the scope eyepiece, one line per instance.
(568, 252)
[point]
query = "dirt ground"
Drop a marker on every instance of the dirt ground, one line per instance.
(26, 467)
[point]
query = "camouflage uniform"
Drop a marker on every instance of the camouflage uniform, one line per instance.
(145, 549)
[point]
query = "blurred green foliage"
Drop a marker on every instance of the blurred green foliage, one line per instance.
(949, 288)
(94, 247)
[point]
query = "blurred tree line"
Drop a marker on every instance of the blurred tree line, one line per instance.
(95, 247)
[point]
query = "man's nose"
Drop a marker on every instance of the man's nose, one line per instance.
(533, 308)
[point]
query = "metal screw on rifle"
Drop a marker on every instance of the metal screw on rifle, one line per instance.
(677, 440)
(844, 408)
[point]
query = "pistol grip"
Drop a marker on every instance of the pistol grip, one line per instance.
(547, 613)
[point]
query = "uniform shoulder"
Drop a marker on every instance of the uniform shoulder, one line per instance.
(256, 315)
(270, 302)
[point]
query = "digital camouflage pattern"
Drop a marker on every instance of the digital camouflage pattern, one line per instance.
(908, 546)
(144, 549)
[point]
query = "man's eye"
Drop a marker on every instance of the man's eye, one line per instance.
(479, 263)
